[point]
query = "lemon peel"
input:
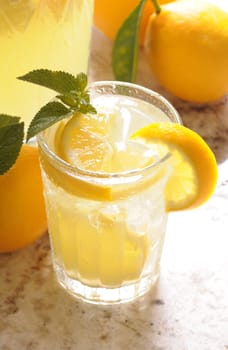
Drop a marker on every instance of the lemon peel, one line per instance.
(186, 46)
(195, 170)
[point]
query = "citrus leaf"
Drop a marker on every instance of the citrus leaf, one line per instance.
(11, 139)
(126, 46)
(58, 81)
(6, 119)
(47, 116)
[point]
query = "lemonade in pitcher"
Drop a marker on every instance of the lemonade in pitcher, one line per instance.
(105, 195)
(34, 34)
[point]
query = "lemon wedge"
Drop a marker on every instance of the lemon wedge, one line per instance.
(195, 171)
(80, 144)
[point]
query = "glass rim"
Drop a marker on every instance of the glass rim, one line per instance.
(73, 169)
(144, 89)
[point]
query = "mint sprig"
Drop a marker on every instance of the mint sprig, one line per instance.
(11, 138)
(72, 96)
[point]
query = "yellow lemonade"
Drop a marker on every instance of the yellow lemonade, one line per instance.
(105, 199)
(53, 34)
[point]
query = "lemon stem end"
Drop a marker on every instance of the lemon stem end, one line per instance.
(156, 6)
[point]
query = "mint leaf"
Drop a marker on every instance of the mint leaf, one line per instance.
(85, 108)
(6, 119)
(81, 81)
(126, 46)
(73, 96)
(48, 115)
(78, 102)
(69, 100)
(11, 139)
(58, 81)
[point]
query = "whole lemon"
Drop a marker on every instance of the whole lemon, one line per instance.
(22, 209)
(108, 18)
(187, 48)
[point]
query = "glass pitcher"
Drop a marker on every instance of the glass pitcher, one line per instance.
(53, 34)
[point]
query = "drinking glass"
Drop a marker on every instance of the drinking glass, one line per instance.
(107, 228)
(53, 34)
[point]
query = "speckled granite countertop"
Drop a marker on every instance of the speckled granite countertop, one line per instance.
(189, 308)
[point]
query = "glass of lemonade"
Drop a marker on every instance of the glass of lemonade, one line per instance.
(104, 194)
(53, 34)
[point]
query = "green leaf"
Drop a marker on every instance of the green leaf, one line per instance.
(74, 96)
(58, 81)
(6, 119)
(82, 81)
(78, 103)
(126, 46)
(11, 139)
(87, 108)
(47, 116)
(69, 100)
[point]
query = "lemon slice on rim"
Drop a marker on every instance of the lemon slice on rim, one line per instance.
(195, 171)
